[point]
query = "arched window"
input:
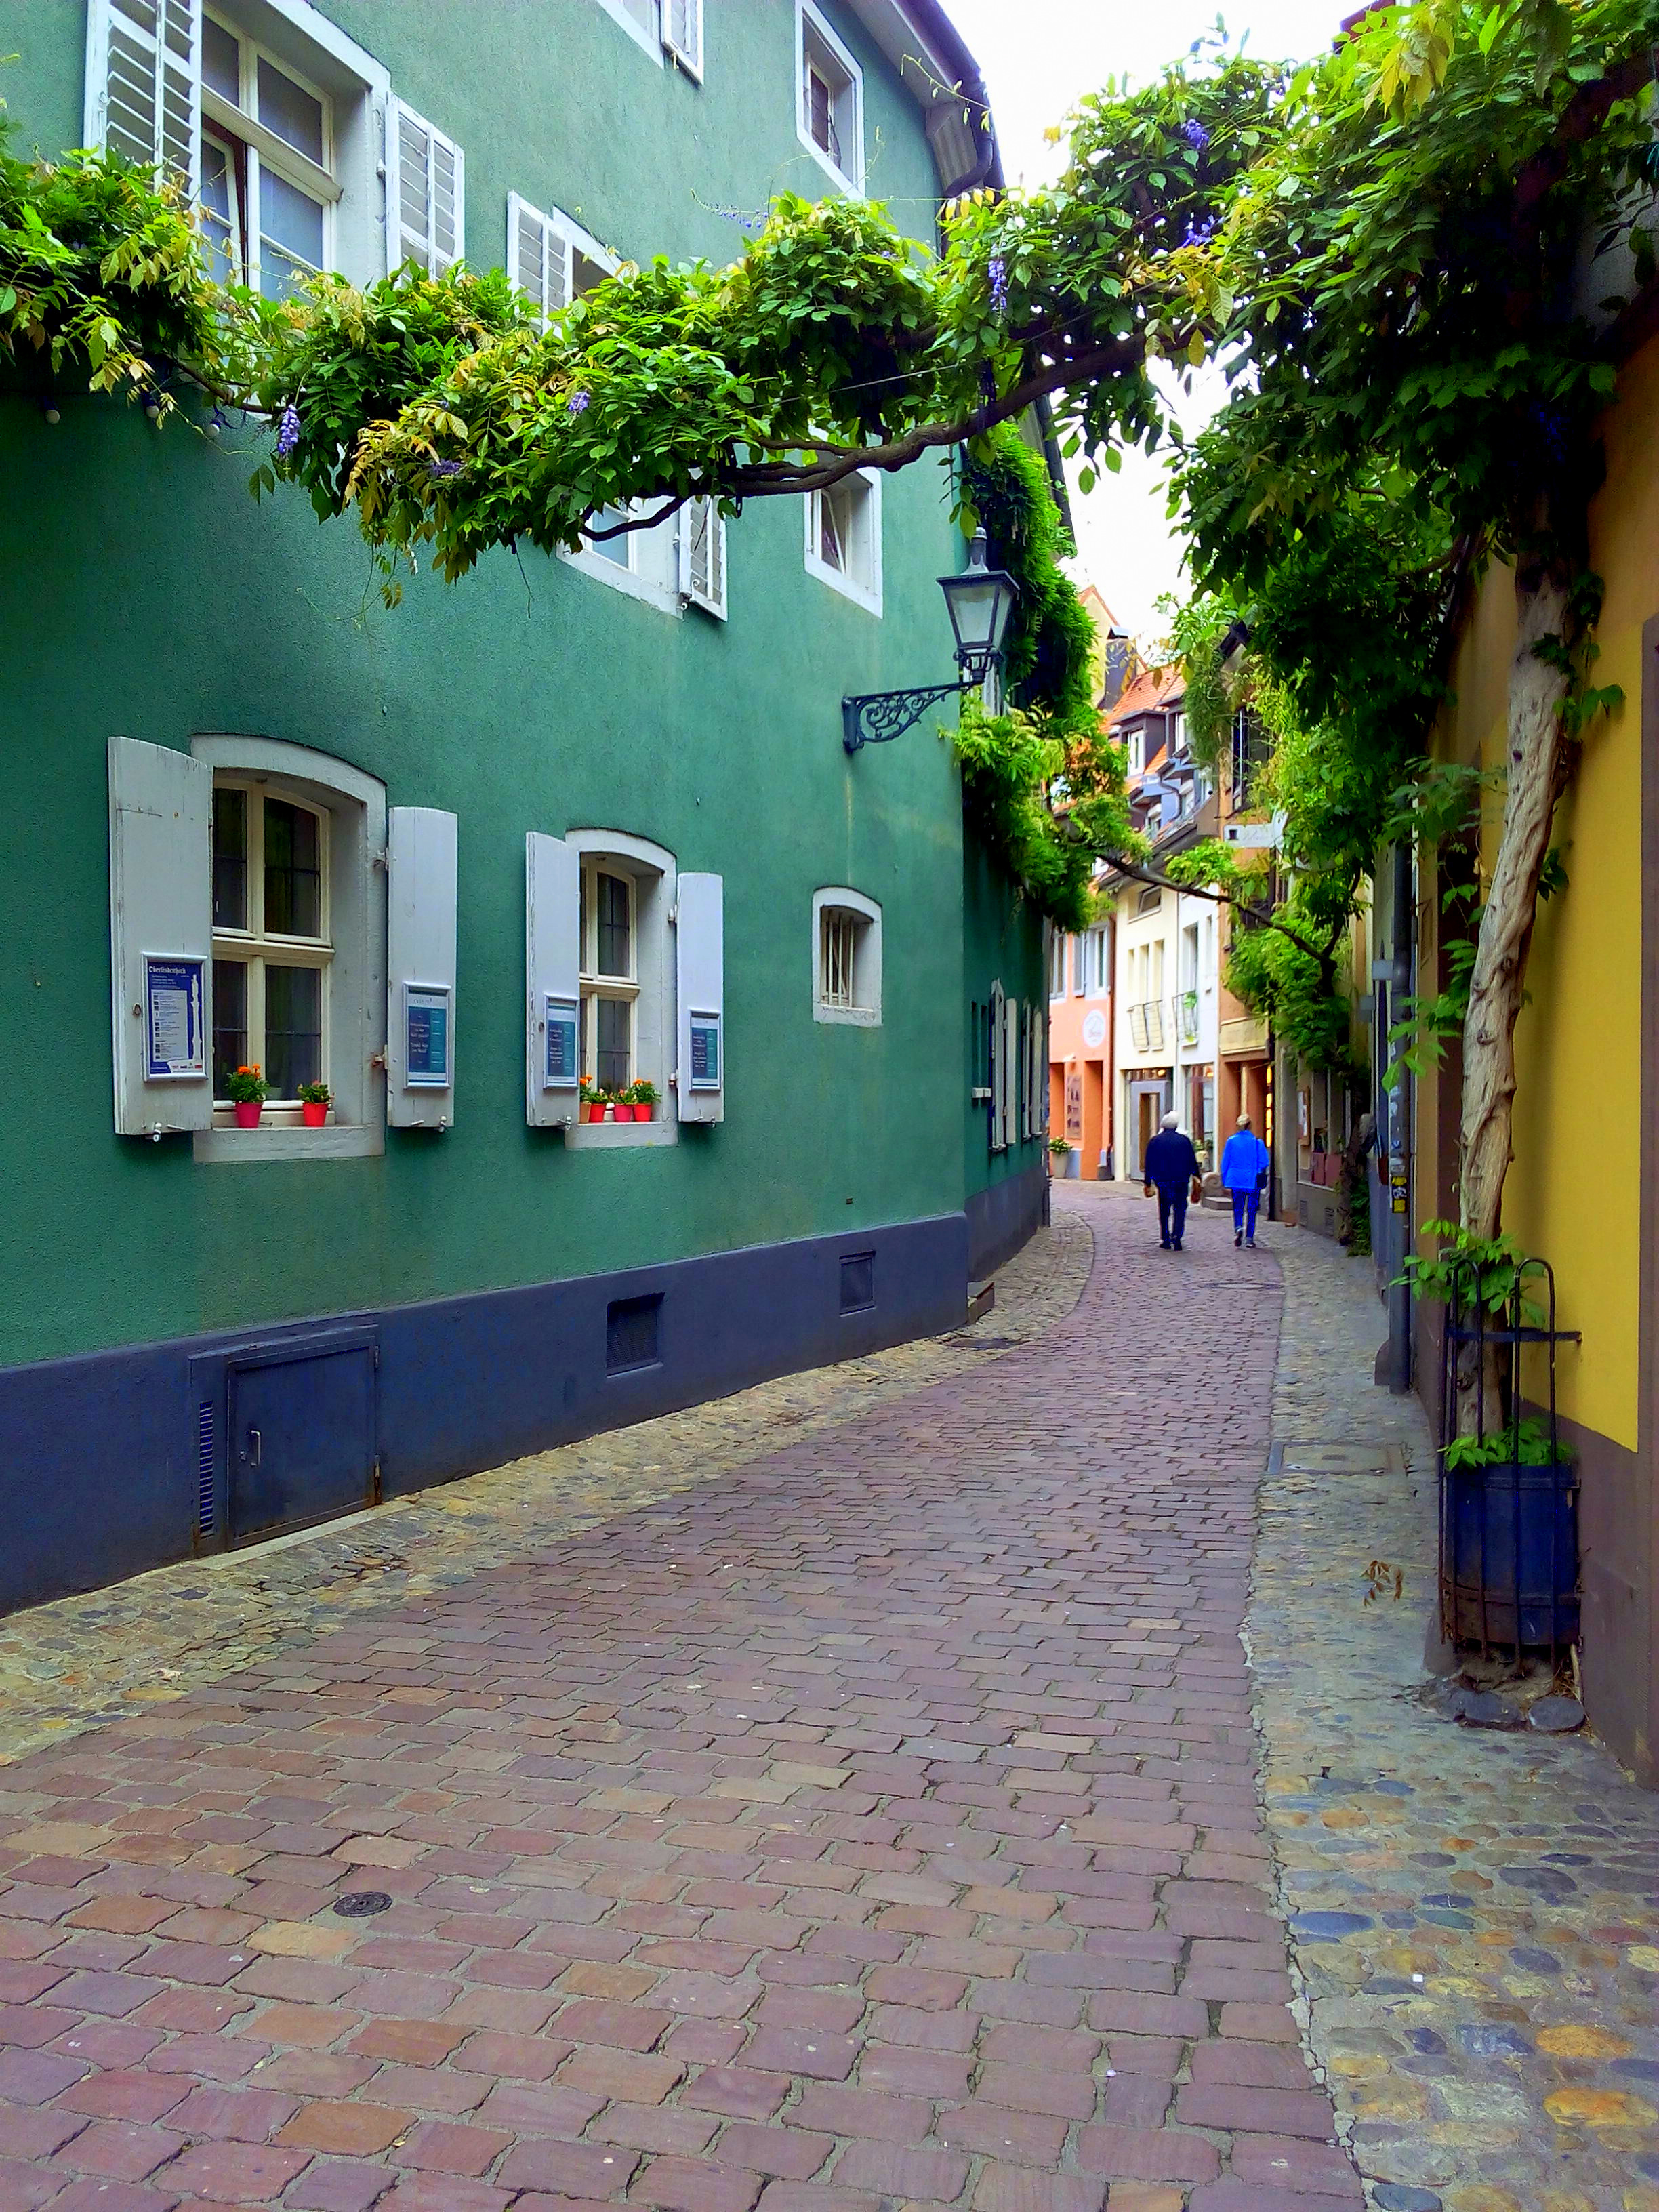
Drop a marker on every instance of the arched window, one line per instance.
(846, 957)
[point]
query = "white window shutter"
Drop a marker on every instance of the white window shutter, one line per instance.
(702, 554)
(552, 962)
(143, 94)
(998, 1078)
(682, 34)
(700, 1076)
(160, 936)
(419, 1030)
(1010, 1070)
(539, 255)
(429, 197)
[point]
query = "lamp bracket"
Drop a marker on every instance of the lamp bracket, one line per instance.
(876, 718)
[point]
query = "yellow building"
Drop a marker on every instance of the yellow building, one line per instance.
(1584, 1184)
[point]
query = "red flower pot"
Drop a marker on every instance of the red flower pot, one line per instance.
(595, 1111)
(247, 1112)
(643, 1113)
(623, 1113)
(313, 1112)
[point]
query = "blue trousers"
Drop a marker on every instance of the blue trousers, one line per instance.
(1245, 1203)
(1172, 1213)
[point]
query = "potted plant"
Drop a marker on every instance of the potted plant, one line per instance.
(1058, 1150)
(315, 1099)
(594, 1101)
(247, 1091)
(643, 1095)
(1511, 1510)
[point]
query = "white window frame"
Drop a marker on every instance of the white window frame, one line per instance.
(649, 43)
(262, 148)
(861, 584)
(864, 1010)
(557, 228)
(653, 873)
(812, 29)
(594, 986)
(683, 47)
(1057, 964)
(257, 948)
(356, 911)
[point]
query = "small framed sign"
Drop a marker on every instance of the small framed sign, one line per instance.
(560, 1071)
(426, 1036)
(175, 1047)
(705, 1052)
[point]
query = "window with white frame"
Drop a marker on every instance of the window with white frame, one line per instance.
(1098, 961)
(609, 971)
(272, 950)
(1057, 965)
(271, 118)
(663, 26)
(829, 118)
(843, 538)
(553, 259)
(268, 184)
(846, 957)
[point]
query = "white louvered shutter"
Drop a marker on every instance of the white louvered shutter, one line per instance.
(552, 962)
(161, 935)
(430, 197)
(143, 98)
(539, 255)
(700, 959)
(682, 34)
(420, 1030)
(702, 554)
(998, 1077)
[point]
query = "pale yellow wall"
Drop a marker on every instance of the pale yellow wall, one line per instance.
(1573, 1193)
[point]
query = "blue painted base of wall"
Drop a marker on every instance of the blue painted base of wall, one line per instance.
(111, 1465)
(1002, 1217)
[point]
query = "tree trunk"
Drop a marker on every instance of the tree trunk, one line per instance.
(1537, 696)
(1537, 693)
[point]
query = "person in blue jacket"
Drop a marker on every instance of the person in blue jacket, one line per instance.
(1170, 1164)
(1244, 1164)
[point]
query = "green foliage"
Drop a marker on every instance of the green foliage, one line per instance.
(1303, 998)
(1196, 630)
(1051, 641)
(100, 278)
(1518, 1443)
(1008, 767)
(1450, 1276)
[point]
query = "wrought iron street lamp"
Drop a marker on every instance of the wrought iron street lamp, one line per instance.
(980, 601)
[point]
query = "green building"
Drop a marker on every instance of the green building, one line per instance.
(582, 817)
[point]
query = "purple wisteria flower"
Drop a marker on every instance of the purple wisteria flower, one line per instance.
(287, 432)
(444, 468)
(1195, 135)
(1199, 231)
(579, 403)
(998, 272)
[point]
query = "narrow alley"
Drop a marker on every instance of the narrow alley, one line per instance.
(844, 1798)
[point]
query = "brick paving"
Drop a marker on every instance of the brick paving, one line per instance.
(872, 1826)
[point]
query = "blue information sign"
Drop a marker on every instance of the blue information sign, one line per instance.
(426, 1037)
(175, 1032)
(705, 1052)
(561, 1071)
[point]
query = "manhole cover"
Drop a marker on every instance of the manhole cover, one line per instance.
(358, 1903)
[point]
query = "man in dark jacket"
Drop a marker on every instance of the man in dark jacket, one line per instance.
(1171, 1164)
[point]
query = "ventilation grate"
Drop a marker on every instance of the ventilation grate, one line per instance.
(631, 1335)
(858, 1282)
(205, 1515)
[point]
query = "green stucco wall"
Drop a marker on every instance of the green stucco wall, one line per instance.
(143, 592)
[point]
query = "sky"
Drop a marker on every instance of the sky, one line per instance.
(1038, 56)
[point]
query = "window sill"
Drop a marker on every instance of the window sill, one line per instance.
(619, 1136)
(632, 586)
(858, 1018)
(861, 595)
(334, 1140)
(851, 186)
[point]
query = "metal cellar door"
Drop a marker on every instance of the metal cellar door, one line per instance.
(301, 1436)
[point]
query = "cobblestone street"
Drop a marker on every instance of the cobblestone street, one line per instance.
(843, 1798)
